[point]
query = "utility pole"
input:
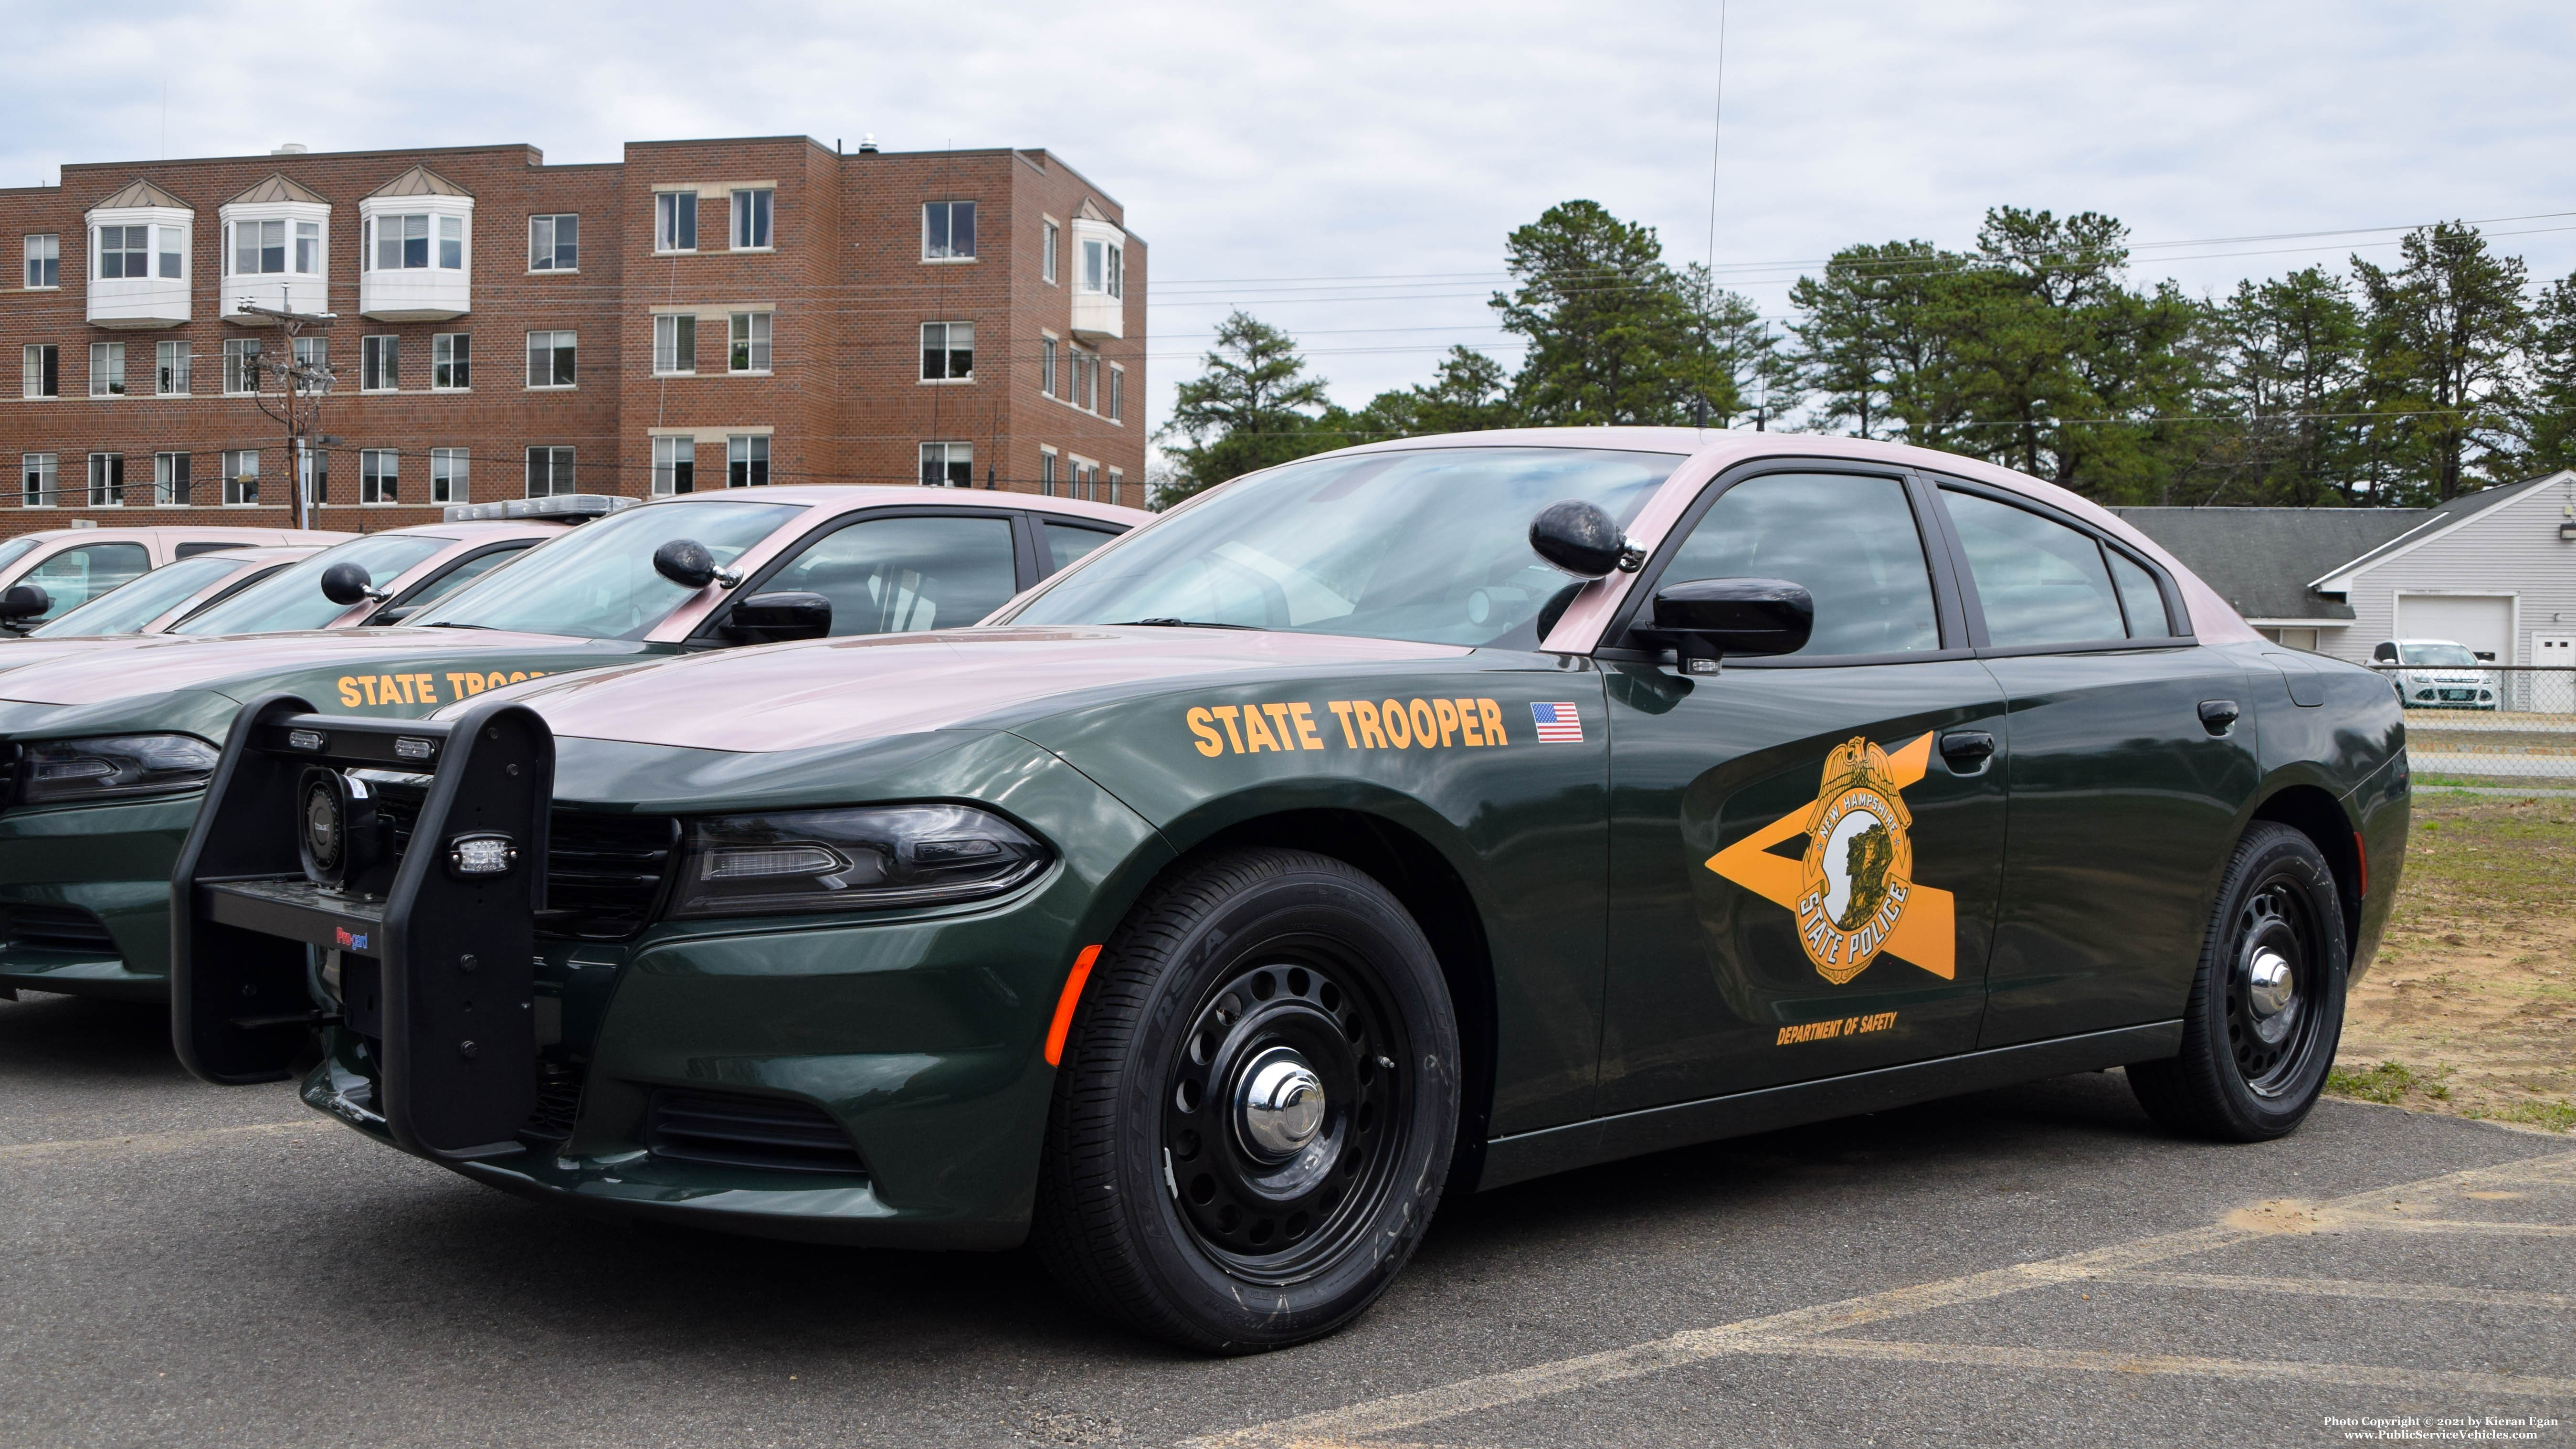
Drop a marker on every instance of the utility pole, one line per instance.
(300, 388)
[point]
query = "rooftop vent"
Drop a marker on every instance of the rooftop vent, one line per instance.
(868, 144)
(288, 148)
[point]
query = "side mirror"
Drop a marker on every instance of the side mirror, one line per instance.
(686, 562)
(778, 618)
(25, 601)
(1708, 619)
(2483, 655)
(2384, 654)
(1582, 539)
(347, 583)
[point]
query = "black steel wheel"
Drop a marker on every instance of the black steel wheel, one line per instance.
(1256, 1106)
(2266, 1007)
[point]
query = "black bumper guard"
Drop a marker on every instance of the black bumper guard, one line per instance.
(439, 970)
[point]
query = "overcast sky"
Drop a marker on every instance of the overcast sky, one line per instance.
(1348, 170)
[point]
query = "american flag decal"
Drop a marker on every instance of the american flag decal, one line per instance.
(1558, 724)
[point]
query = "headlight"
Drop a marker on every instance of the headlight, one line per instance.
(112, 767)
(851, 860)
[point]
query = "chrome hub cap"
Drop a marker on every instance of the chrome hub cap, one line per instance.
(1279, 1106)
(2271, 989)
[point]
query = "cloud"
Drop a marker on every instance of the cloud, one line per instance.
(1341, 140)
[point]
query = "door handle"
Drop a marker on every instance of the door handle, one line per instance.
(1967, 751)
(2216, 715)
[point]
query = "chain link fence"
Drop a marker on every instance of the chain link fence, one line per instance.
(2493, 725)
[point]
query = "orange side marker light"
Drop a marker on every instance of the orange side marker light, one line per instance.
(1064, 1004)
(2361, 866)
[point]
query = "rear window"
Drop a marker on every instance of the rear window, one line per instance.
(292, 598)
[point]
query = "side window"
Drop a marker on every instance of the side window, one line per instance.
(903, 575)
(1066, 542)
(1850, 540)
(2039, 581)
(191, 550)
(2140, 599)
(463, 574)
(77, 575)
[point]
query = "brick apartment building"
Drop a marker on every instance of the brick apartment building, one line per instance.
(701, 314)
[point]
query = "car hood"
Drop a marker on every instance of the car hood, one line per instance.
(843, 691)
(98, 671)
(18, 653)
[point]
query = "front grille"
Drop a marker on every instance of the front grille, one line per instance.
(59, 928)
(558, 1101)
(603, 872)
(725, 1130)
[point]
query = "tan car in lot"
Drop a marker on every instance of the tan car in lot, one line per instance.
(76, 565)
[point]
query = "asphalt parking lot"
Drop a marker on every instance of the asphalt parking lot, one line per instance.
(182, 1265)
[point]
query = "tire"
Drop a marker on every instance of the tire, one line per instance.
(2254, 1060)
(1167, 1204)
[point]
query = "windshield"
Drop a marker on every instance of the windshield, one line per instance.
(1430, 545)
(292, 597)
(2439, 655)
(148, 598)
(16, 549)
(598, 581)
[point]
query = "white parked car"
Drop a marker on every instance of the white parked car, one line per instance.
(2439, 674)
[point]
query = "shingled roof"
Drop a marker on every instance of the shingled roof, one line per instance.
(2261, 559)
(421, 181)
(140, 192)
(275, 189)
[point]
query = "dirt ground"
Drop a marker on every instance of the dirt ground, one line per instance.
(2471, 1007)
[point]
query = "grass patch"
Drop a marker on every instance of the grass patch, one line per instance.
(2388, 1082)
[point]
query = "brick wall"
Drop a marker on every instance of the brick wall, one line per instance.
(844, 285)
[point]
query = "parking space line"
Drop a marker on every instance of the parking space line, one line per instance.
(1797, 1330)
(155, 1141)
(2457, 1225)
(2350, 1375)
(2346, 1288)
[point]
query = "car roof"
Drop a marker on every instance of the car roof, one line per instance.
(480, 530)
(849, 498)
(184, 532)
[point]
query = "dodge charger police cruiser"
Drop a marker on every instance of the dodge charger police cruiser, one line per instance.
(1392, 824)
(107, 744)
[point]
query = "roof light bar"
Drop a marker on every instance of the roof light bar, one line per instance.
(570, 506)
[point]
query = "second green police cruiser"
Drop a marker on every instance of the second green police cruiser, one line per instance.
(1403, 821)
(105, 745)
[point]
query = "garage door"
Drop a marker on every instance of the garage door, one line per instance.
(2485, 625)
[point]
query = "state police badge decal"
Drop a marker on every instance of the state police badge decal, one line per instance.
(1858, 871)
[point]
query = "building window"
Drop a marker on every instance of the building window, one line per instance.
(1117, 393)
(451, 361)
(550, 363)
(748, 349)
(308, 248)
(948, 465)
(947, 351)
(1114, 477)
(313, 354)
(44, 260)
(675, 221)
(1046, 471)
(947, 231)
(450, 475)
(36, 470)
(41, 370)
(315, 474)
(379, 363)
(1102, 266)
(170, 368)
(170, 479)
(379, 475)
(241, 476)
(403, 243)
(675, 343)
(1085, 390)
(172, 249)
(549, 472)
(107, 369)
(675, 466)
(554, 243)
(751, 219)
(241, 365)
(258, 247)
(1046, 366)
(747, 461)
(1051, 241)
(122, 251)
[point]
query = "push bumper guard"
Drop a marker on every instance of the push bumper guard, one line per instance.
(437, 970)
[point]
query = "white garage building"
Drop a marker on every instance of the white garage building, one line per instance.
(2494, 570)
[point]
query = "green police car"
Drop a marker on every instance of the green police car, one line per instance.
(106, 744)
(1395, 823)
